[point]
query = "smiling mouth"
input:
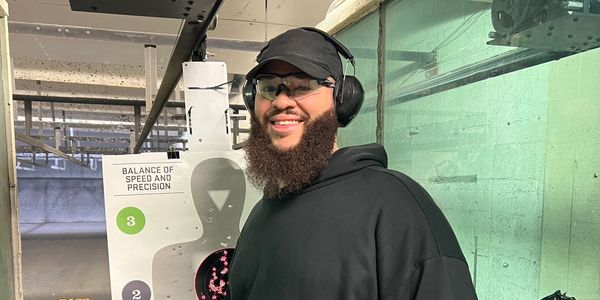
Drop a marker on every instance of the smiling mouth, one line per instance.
(286, 122)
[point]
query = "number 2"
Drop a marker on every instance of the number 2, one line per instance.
(137, 295)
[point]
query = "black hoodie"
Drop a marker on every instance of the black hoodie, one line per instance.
(359, 232)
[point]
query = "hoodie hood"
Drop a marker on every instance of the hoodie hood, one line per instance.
(350, 159)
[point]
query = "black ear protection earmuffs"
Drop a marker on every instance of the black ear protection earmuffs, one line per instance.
(348, 92)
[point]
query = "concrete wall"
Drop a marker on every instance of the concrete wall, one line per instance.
(63, 231)
(570, 256)
(48, 200)
(67, 194)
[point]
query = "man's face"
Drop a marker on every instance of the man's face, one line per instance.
(285, 119)
(281, 172)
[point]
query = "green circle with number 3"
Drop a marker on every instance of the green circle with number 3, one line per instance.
(131, 220)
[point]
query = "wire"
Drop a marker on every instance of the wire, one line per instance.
(461, 29)
(458, 32)
(216, 87)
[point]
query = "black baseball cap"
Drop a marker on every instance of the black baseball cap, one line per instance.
(306, 48)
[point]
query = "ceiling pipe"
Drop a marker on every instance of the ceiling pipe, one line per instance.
(89, 33)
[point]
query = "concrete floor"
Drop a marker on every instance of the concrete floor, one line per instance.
(65, 260)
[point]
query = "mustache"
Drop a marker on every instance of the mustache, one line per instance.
(277, 111)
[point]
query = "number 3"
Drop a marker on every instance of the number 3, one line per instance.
(137, 295)
(131, 222)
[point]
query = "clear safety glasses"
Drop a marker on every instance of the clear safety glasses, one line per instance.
(296, 85)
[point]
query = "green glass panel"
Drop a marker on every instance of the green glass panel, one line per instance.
(478, 149)
(513, 161)
(361, 39)
(454, 32)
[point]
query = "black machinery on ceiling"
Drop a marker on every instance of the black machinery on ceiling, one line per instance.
(556, 25)
(191, 10)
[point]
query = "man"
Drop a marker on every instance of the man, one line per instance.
(333, 223)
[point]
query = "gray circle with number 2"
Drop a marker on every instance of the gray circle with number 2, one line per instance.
(136, 290)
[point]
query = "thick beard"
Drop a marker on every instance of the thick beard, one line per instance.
(284, 172)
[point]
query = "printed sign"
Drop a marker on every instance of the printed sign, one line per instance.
(168, 220)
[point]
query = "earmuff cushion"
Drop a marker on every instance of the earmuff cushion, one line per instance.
(248, 95)
(349, 97)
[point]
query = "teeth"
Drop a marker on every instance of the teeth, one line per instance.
(286, 122)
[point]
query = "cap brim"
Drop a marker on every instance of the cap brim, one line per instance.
(306, 66)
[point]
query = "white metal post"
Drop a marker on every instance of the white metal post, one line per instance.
(150, 65)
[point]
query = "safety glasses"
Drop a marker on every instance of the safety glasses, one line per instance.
(296, 85)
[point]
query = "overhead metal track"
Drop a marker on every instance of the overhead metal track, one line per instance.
(501, 64)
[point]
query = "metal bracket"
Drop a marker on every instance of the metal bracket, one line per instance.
(199, 54)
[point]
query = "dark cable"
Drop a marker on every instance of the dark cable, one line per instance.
(216, 87)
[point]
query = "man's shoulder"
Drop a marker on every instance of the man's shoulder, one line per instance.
(419, 200)
(388, 173)
(399, 187)
(394, 179)
(391, 191)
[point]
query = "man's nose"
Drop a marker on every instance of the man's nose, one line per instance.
(283, 101)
